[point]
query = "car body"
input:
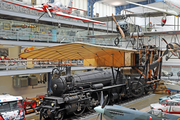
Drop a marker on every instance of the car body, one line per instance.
(175, 97)
(11, 107)
(170, 106)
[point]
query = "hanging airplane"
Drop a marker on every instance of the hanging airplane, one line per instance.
(173, 4)
(125, 31)
(55, 8)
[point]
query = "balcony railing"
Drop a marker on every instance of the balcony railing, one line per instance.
(52, 38)
(17, 64)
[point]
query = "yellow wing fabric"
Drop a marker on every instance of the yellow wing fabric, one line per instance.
(93, 55)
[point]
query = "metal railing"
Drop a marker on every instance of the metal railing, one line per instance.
(52, 38)
(18, 64)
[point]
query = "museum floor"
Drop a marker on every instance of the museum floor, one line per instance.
(140, 104)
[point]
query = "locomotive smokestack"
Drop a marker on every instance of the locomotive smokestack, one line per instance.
(68, 70)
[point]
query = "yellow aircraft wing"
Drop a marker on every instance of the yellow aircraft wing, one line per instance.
(93, 55)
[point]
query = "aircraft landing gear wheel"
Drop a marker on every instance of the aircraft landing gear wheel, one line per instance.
(36, 20)
(116, 41)
(137, 89)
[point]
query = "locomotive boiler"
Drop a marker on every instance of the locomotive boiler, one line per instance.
(95, 79)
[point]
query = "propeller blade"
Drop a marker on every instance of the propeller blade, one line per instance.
(97, 117)
(105, 101)
(169, 47)
(101, 102)
(49, 12)
(37, 6)
(120, 30)
(166, 52)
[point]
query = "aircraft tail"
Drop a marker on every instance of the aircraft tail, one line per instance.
(70, 3)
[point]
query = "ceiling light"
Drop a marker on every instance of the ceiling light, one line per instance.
(116, 3)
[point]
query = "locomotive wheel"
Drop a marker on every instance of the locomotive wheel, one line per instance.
(60, 115)
(94, 101)
(45, 117)
(136, 88)
(80, 110)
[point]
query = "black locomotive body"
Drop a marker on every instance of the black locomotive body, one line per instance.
(74, 93)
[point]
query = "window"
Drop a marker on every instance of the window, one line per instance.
(164, 102)
(8, 106)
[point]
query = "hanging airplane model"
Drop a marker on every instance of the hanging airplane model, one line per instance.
(173, 4)
(55, 8)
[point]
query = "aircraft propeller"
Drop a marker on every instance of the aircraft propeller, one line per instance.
(45, 6)
(119, 28)
(173, 48)
(49, 13)
(100, 109)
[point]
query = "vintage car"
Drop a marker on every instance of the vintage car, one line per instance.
(31, 104)
(11, 107)
(167, 106)
(172, 97)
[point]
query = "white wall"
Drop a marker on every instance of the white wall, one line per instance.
(82, 4)
(7, 87)
(103, 9)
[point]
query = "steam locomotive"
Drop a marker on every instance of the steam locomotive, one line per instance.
(75, 93)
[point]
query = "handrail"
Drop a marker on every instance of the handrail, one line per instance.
(34, 64)
(53, 38)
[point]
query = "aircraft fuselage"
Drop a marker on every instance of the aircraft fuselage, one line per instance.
(55, 8)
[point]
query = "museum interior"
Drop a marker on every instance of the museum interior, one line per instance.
(89, 59)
